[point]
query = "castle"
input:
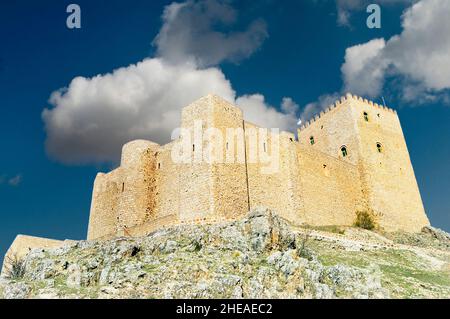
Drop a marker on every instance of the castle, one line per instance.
(350, 158)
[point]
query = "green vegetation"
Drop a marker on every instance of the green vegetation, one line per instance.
(364, 220)
(403, 272)
(15, 267)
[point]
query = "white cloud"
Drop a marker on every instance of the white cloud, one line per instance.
(419, 56)
(92, 118)
(188, 34)
(364, 68)
(256, 110)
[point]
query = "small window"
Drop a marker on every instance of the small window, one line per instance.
(344, 151)
(264, 145)
(193, 147)
(366, 117)
(378, 114)
(379, 148)
(123, 187)
(311, 140)
(227, 146)
(159, 165)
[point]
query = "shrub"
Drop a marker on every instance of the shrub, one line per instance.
(15, 267)
(302, 250)
(364, 220)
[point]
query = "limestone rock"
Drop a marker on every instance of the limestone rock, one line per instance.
(259, 256)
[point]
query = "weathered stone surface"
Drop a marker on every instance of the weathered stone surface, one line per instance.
(305, 182)
(254, 257)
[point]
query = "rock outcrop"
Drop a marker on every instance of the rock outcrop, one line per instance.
(259, 256)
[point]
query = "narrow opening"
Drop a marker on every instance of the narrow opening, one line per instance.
(366, 117)
(291, 139)
(379, 148)
(227, 146)
(264, 145)
(378, 114)
(321, 127)
(123, 187)
(311, 140)
(159, 165)
(344, 151)
(193, 147)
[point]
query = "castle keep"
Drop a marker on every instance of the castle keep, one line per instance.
(352, 157)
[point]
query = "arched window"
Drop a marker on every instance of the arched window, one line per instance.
(379, 148)
(311, 140)
(366, 117)
(344, 151)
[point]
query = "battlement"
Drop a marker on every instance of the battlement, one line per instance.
(343, 100)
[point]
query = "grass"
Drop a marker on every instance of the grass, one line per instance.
(15, 267)
(403, 273)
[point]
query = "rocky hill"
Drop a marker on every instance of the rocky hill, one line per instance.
(260, 256)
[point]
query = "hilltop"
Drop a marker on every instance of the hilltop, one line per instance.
(259, 256)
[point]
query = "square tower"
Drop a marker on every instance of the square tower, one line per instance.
(370, 136)
(213, 183)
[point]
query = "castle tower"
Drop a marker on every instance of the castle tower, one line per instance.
(137, 197)
(125, 197)
(103, 215)
(370, 136)
(213, 185)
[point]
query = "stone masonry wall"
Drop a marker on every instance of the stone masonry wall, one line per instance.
(311, 183)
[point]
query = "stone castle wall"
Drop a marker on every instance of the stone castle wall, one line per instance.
(23, 244)
(312, 183)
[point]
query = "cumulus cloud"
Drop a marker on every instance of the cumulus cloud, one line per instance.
(364, 68)
(188, 34)
(419, 56)
(90, 120)
(94, 117)
(256, 110)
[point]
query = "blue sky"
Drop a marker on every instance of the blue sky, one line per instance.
(275, 54)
